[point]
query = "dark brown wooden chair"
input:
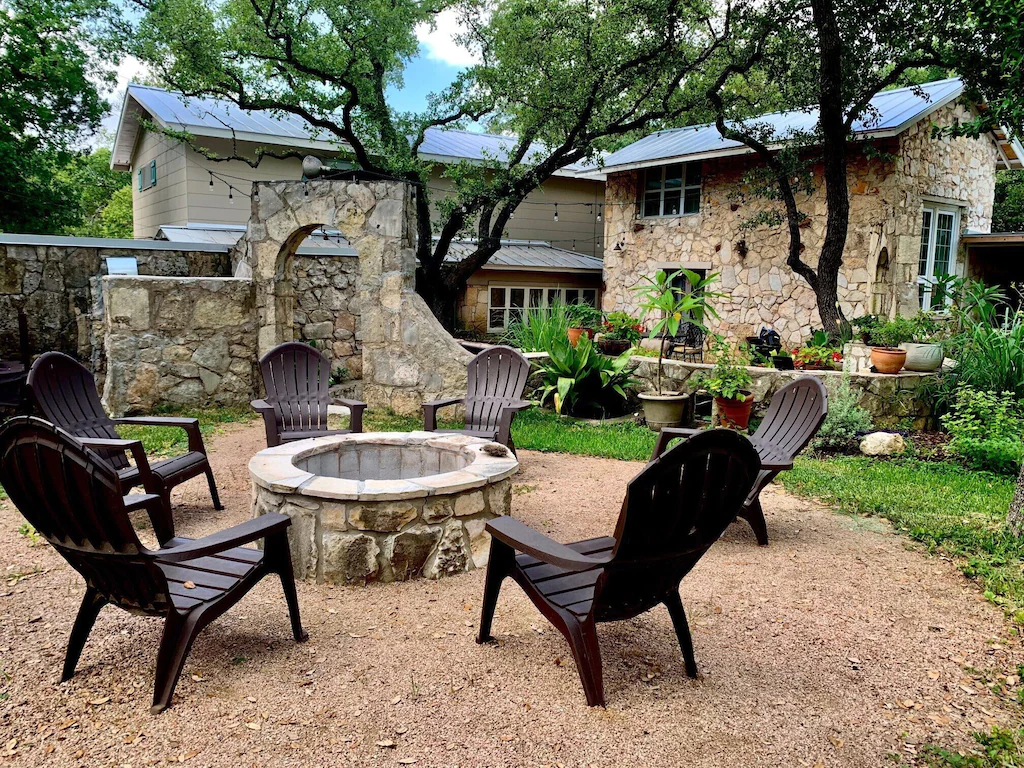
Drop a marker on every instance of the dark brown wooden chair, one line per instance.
(674, 510)
(14, 373)
(795, 414)
(65, 393)
(495, 382)
(296, 378)
(76, 501)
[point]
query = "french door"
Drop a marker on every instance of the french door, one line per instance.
(939, 229)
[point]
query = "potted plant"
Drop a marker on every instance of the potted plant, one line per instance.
(583, 318)
(621, 332)
(924, 353)
(659, 296)
(886, 355)
(729, 383)
(864, 325)
(781, 360)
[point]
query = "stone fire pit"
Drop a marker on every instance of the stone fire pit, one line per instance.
(385, 506)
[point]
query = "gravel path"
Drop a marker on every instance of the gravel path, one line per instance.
(835, 646)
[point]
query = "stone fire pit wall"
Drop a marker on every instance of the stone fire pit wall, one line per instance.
(385, 506)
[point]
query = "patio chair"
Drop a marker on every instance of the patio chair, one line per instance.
(795, 414)
(296, 378)
(64, 392)
(13, 373)
(674, 510)
(76, 501)
(688, 343)
(495, 380)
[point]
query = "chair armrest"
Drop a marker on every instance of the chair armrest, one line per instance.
(524, 539)
(430, 411)
(243, 533)
(668, 434)
(191, 427)
(356, 408)
(137, 451)
(505, 416)
(517, 405)
(134, 501)
(262, 406)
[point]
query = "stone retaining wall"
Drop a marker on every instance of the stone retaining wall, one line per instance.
(178, 341)
(893, 401)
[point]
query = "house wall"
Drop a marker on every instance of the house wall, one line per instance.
(164, 203)
(473, 301)
(879, 272)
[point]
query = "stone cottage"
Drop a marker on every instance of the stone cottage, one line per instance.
(682, 198)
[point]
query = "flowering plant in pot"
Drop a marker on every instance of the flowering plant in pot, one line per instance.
(672, 305)
(729, 383)
(583, 318)
(620, 332)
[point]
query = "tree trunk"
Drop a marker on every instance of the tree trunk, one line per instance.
(1015, 517)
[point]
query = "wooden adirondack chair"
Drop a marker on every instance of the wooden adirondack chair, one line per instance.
(495, 382)
(64, 392)
(76, 501)
(674, 510)
(795, 414)
(296, 378)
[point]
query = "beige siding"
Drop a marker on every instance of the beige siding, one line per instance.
(474, 301)
(164, 203)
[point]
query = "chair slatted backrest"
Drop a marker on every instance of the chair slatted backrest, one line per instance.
(794, 415)
(297, 380)
(674, 510)
(495, 377)
(74, 500)
(65, 393)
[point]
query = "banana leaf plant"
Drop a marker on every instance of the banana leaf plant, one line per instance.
(672, 305)
(579, 377)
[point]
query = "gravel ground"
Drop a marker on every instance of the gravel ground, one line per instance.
(835, 646)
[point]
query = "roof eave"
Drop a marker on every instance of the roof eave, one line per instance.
(540, 268)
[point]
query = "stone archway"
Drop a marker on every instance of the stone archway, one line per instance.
(407, 356)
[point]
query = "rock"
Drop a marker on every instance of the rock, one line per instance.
(350, 558)
(408, 551)
(324, 330)
(391, 516)
(882, 444)
(213, 354)
(450, 555)
(469, 504)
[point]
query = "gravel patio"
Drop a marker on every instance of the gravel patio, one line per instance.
(838, 645)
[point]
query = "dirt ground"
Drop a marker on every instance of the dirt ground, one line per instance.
(834, 646)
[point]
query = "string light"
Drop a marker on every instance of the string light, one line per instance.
(231, 195)
(556, 211)
(211, 178)
(599, 211)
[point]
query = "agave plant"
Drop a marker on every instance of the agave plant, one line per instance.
(581, 378)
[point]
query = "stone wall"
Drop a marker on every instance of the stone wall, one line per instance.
(178, 341)
(49, 278)
(326, 309)
(879, 273)
(893, 401)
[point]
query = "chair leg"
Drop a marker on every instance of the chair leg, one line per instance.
(499, 565)
(91, 606)
(213, 488)
(179, 634)
(682, 627)
(582, 637)
(279, 560)
(754, 515)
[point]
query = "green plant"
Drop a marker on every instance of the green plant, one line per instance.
(985, 430)
(579, 379)
(844, 423)
(892, 333)
(582, 315)
(865, 325)
(659, 295)
(30, 533)
(730, 378)
(339, 375)
(621, 326)
(816, 357)
(1002, 748)
(537, 328)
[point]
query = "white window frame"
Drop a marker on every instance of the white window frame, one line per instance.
(546, 295)
(683, 188)
(927, 278)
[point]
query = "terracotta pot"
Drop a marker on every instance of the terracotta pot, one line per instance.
(923, 357)
(613, 347)
(888, 359)
(663, 410)
(735, 413)
(574, 335)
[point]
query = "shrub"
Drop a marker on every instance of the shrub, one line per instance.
(538, 329)
(893, 332)
(581, 381)
(844, 423)
(985, 430)
(623, 327)
(730, 377)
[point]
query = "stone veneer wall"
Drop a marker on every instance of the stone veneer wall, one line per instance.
(879, 273)
(178, 341)
(892, 400)
(326, 308)
(50, 279)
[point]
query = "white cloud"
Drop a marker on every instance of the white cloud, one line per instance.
(440, 44)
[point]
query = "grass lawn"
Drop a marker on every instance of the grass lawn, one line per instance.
(943, 506)
(167, 441)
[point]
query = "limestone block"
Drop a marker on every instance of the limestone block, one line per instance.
(350, 558)
(469, 504)
(128, 306)
(322, 330)
(408, 551)
(882, 444)
(450, 554)
(391, 516)
(479, 542)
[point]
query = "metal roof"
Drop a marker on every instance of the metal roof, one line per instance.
(220, 118)
(228, 234)
(530, 256)
(890, 113)
(111, 243)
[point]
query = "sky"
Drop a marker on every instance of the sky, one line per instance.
(440, 60)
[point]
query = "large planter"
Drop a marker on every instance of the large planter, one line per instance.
(888, 359)
(613, 347)
(735, 413)
(923, 358)
(575, 333)
(663, 410)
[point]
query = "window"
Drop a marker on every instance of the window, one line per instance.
(147, 176)
(506, 303)
(140, 179)
(672, 190)
(939, 229)
(681, 283)
(152, 173)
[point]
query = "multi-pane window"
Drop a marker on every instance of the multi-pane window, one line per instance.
(506, 303)
(147, 176)
(672, 190)
(939, 227)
